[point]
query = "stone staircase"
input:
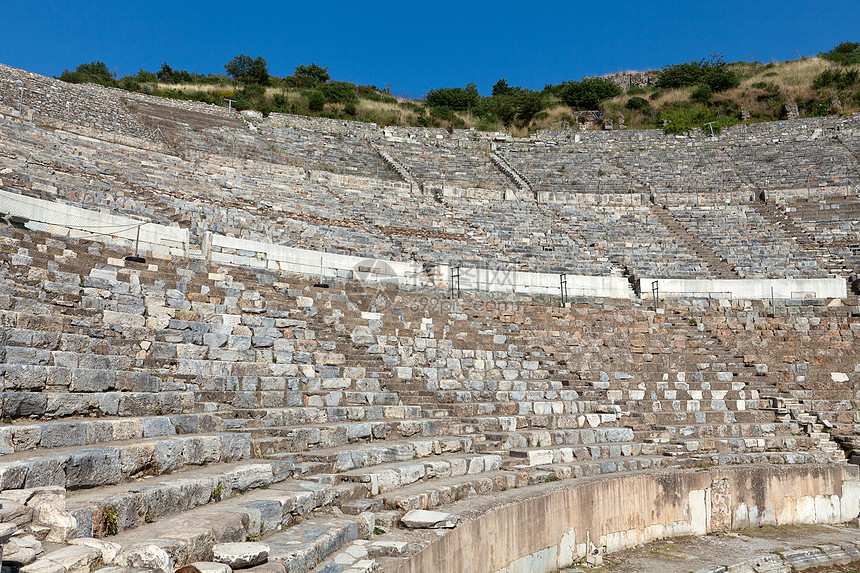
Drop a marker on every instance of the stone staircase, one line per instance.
(511, 173)
(719, 267)
(398, 167)
(830, 261)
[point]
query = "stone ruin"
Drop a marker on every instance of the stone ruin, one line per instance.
(221, 401)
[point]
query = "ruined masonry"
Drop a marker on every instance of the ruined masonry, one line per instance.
(200, 405)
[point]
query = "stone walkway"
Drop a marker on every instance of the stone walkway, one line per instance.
(732, 550)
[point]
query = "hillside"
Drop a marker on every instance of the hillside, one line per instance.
(678, 97)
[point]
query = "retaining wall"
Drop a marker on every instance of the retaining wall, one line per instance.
(747, 289)
(551, 531)
(71, 221)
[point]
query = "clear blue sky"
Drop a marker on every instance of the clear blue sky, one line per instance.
(416, 46)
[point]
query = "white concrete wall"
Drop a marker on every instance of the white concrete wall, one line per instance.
(67, 220)
(235, 251)
(549, 531)
(231, 250)
(499, 280)
(747, 289)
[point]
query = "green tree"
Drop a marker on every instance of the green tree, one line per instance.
(247, 70)
(92, 73)
(459, 99)
(529, 104)
(501, 87)
(311, 76)
(145, 77)
(165, 74)
(339, 92)
(588, 93)
(846, 53)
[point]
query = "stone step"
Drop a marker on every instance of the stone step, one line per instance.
(50, 405)
(109, 510)
(24, 435)
(433, 494)
(389, 477)
(343, 459)
(304, 438)
(115, 462)
(301, 547)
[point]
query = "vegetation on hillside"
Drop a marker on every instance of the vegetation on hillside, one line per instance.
(708, 93)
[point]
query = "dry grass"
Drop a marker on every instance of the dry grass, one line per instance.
(786, 81)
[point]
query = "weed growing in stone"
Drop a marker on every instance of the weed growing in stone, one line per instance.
(110, 521)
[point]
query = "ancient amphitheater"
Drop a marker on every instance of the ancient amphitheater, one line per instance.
(399, 349)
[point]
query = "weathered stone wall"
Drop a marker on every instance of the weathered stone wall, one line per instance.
(627, 80)
(549, 532)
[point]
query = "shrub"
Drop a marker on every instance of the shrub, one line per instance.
(316, 101)
(350, 109)
(714, 72)
(846, 54)
(145, 77)
(339, 92)
(841, 79)
(459, 99)
(636, 103)
(588, 93)
(280, 101)
(441, 112)
(684, 117)
(312, 75)
(92, 73)
(129, 83)
(702, 93)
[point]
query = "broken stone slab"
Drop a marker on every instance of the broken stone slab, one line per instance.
(212, 567)
(801, 559)
(22, 549)
(363, 335)
(423, 519)
(15, 513)
(20, 556)
(108, 549)
(70, 559)
(144, 556)
(61, 522)
(7, 530)
(385, 548)
(240, 554)
(268, 567)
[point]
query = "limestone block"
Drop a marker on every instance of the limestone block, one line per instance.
(43, 565)
(15, 513)
(7, 530)
(109, 550)
(239, 555)
(801, 559)
(74, 559)
(423, 519)
(61, 522)
(145, 557)
(212, 567)
(123, 319)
